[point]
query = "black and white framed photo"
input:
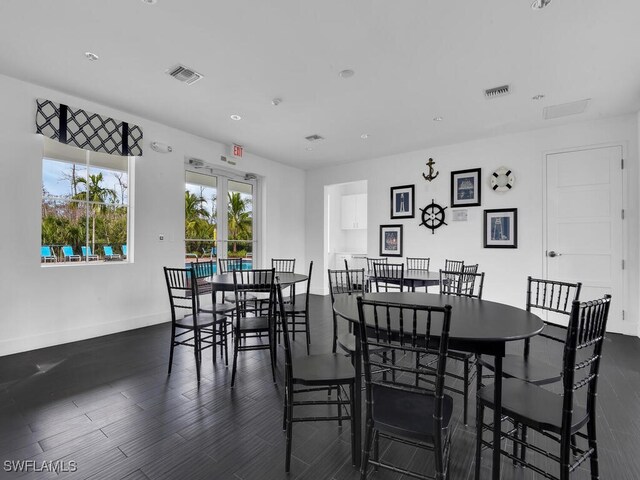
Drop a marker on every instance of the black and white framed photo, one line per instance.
(390, 240)
(465, 188)
(402, 201)
(501, 228)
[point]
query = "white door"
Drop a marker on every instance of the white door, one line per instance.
(584, 224)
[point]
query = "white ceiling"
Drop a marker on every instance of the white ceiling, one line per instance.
(414, 60)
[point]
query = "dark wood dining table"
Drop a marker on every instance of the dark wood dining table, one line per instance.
(477, 326)
(417, 278)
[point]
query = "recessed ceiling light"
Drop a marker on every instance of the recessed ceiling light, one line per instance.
(276, 101)
(236, 117)
(347, 73)
(437, 119)
(537, 97)
(91, 56)
(308, 149)
(150, 2)
(364, 136)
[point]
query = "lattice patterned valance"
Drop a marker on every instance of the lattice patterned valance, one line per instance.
(90, 131)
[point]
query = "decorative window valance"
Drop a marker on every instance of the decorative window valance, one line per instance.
(90, 131)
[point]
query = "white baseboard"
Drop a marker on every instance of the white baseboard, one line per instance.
(49, 339)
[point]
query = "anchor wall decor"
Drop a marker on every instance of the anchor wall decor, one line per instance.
(431, 176)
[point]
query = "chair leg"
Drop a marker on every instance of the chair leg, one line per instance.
(368, 441)
(173, 345)
(272, 351)
(516, 432)
(339, 398)
(335, 333)
(306, 326)
(465, 390)
(214, 346)
(479, 421)
(593, 443)
(376, 449)
(523, 446)
(352, 412)
(565, 457)
(236, 345)
(289, 425)
(478, 375)
(196, 351)
(285, 405)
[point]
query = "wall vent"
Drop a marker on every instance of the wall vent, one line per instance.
(495, 92)
(196, 162)
(184, 74)
(565, 109)
(314, 138)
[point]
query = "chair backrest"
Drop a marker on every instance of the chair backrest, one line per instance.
(585, 333)
(346, 282)
(86, 251)
(552, 296)
(453, 265)
(372, 261)
(124, 250)
(462, 284)
(403, 330)
(67, 250)
(259, 281)
(284, 325)
(388, 276)
(108, 251)
(182, 292)
(417, 263)
(45, 251)
(229, 264)
(202, 270)
(286, 265)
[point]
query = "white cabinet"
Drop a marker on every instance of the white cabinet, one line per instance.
(353, 214)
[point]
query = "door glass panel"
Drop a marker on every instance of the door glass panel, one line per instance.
(200, 216)
(240, 221)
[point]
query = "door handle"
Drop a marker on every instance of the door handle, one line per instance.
(553, 254)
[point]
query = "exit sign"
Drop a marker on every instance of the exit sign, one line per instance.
(237, 150)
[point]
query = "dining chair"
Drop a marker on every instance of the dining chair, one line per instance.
(419, 263)
(398, 408)
(344, 282)
(189, 327)
(313, 373)
(388, 276)
(371, 261)
(297, 311)
(202, 270)
(453, 265)
(557, 418)
(470, 285)
(543, 297)
(229, 265)
(254, 320)
(286, 265)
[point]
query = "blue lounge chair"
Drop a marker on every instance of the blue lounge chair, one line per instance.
(109, 255)
(124, 251)
(46, 255)
(87, 254)
(67, 251)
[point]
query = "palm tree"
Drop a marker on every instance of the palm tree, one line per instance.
(239, 218)
(98, 196)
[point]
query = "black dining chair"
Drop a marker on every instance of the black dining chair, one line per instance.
(229, 265)
(419, 263)
(202, 270)
(397, 408)
(470, 285)
(297, 312)
(344, 282)
(312, 373)
(546, 297)
(388, 276)
(189, 327)
(560, 419)
(371, 261)
(254, 320)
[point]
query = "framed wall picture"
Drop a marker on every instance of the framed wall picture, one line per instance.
(465, 188)
(390, 240)
(501, 228)
(402, 205)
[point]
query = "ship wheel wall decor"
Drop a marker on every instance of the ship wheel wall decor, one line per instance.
(433, 216)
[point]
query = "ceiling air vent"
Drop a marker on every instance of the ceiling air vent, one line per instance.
(494, 92)
(184, 74)
(314, 138)
(196, 162)
(565, 109)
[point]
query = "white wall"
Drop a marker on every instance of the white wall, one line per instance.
(47, 306)
(524, 153)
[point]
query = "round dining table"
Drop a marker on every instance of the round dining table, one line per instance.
(416, 278)
(477, 326)
(223, 282)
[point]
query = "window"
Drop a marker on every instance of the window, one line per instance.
(85, 206)
(216, 229)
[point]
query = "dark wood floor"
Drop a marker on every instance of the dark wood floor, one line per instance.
(108, 405)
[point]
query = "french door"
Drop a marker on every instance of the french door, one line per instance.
(220, 220)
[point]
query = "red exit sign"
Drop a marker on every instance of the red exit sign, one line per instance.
(237, 151)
